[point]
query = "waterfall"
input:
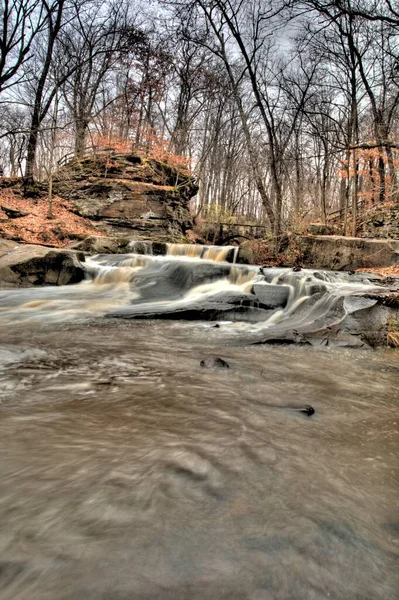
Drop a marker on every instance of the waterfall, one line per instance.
(196, 282)
(214, 253)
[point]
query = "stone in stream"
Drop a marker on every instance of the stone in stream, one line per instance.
(29, 265)
(172, 280)
(270, 295)
(190, 311)
(214, 362)
(307, 410)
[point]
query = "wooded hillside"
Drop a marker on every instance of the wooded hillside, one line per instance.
(284, 110)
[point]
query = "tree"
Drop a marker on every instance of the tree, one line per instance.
(21, 21)
(91, 47)
(54, 12)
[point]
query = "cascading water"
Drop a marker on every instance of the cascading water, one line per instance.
(195, 283)
(215, 253)
(129, 471)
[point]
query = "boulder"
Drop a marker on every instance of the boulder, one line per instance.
(234, 298)
(30, 265)
(270, 295)
(246, 254)
(382, 221)
(94, 244)
(173, 279)
(148, 247)
(12, 213)
(205, 310)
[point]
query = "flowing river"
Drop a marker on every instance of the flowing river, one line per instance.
(129, 472)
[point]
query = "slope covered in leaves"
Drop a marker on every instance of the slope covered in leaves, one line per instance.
(25, 220)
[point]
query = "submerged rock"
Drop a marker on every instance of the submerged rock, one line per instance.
(214, 362)
(191, 311)
(37, 265)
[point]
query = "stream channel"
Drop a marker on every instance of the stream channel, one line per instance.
(129, 472)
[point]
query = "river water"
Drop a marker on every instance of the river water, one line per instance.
(129, 472)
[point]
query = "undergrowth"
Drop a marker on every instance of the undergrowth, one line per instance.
(393, 332)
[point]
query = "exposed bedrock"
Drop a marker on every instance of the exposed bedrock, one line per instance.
(129, 195)
(31, 265)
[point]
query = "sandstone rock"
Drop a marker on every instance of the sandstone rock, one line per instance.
(13, 213)
(172, 280)
(37, 265)
(245, 254)
(382, 222)
(6, 246)
(128, 194)
(191, 311)
(102, 245)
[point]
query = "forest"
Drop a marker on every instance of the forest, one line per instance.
(284, 110)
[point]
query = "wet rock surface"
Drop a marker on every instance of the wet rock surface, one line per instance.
(271, 296)
(31, 265)
(285, 307)
(214, 362)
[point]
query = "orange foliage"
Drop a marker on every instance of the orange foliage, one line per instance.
(152, 146)
(383, 271)
(112, 143)
(368, 163)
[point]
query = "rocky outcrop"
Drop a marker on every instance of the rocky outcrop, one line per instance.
(320, 229)
(340, 253)
(129, 195)
(382, 222)
(37, 265)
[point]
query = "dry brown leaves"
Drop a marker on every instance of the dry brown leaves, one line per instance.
(383, 271)
(35, 227)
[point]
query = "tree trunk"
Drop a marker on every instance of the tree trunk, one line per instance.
(37, 114)
(80, 136)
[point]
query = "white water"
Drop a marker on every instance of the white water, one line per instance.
(129, 472)
(179, 286)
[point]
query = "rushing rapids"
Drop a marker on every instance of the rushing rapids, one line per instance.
(131, 471)
(197, 283)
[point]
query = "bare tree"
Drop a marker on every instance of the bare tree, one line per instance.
(20, 22)
(54, 22)
(91, 47)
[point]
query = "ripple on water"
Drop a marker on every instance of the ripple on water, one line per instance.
(170, 481)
